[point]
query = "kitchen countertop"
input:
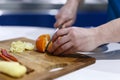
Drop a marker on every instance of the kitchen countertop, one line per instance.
(107, 57)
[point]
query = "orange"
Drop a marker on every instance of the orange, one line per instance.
(41, 42)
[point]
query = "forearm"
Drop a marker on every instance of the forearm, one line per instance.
(109, 32)
(74, 3)
(77, 1)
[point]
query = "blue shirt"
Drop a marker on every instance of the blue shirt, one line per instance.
(113, 9)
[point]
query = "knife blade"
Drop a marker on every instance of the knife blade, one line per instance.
(51, 38)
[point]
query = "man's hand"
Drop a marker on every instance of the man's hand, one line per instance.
(73, 39)
(67, 14)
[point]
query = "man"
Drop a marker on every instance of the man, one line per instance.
(74, 39)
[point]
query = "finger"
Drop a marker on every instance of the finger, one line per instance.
(57, 15)
(60, 41)
(60, 33)
(68, 23)
(69, 51)
(65, 23)
(59, 19)
(59, 22)
(62, 48)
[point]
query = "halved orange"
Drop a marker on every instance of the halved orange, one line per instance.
(41, 42)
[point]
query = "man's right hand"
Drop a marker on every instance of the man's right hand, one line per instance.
(67, 14)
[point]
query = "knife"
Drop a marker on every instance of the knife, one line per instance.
(51, 39)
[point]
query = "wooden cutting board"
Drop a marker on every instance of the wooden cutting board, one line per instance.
(43, 66)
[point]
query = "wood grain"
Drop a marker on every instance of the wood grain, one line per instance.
(40, 64)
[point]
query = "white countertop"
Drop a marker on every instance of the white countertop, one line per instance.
(107, 66)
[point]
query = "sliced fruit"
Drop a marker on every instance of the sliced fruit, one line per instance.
(41, 42)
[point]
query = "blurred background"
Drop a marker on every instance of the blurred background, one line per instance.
(41, 13)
